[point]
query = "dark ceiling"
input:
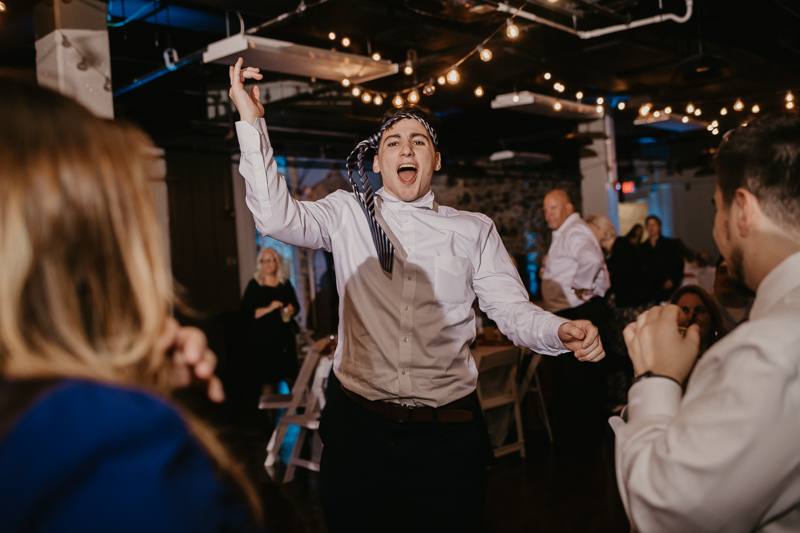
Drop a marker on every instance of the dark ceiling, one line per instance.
(755, 45)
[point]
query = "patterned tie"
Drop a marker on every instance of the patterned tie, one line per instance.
(364, 195)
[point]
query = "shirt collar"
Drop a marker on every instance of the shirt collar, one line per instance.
(569, 221)
(782, 280)
(424, 201)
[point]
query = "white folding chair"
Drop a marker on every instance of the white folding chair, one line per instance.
(530, 383)
(498, 387)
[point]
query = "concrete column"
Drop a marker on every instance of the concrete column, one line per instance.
(599, 170)
(72, 52)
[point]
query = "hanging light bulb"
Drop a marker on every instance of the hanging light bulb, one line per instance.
(579, 95)
(789, 105)
(600, 100)
(485, 54)
(599, 109)
(715, 131)
(690, 109)
(378, 100)
(515, 98)
(408, 70)
(429, 89)
(345, 42)
(723, 111)
(452, 76)
(621, 106)
(397, 101)
(413, 97)
(755, 109)
(697, 112)
(441, 80)
(332, 36)
(512, 31)
(557, 106)
(376, 56)
(547, 75)
(714, 124)
(558, 87)
(366, 98)
(739, 105)
(709, 127)
(668, 110)
(645, 109)
(478, 91)
(345, 83)
(356, 91)
(657, 114)
(685, 120)
(789, 96)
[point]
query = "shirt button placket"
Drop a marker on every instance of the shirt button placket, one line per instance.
(406, 230)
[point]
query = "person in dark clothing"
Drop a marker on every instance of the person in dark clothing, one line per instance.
(634, 235)
(268, 305)
(663, 262)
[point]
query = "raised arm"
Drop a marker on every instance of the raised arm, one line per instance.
(276, 213)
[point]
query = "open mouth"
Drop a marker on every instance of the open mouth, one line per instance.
(407, 172)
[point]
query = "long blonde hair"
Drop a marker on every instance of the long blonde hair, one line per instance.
(281, 271)
(84, 287)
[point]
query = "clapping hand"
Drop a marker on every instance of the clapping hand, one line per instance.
(248, 104)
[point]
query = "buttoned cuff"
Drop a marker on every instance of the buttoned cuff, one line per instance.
(550, 335)
(250, 135)
(655, 396)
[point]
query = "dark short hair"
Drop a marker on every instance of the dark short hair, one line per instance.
(653, 217)
(764, 159)
(718, 327)
(418, 110)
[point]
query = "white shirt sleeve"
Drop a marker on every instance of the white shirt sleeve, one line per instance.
(716, 459)
(586, 251)
(503, 297)
(276, 213)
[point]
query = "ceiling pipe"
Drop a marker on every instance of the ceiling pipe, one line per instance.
(505, 8)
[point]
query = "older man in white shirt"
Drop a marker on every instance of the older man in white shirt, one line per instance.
(724, 455)
(403, 446)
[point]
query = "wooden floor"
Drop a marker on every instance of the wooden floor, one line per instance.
(551, 490)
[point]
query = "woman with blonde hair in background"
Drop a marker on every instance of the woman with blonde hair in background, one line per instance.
(268, 307)
(89, 439)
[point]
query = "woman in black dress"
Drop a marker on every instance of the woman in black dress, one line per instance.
(268, 305)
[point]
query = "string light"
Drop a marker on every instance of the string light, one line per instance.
(429, 89)
(413, 97)
(755, 109)
(657, 114)
(346, 82)
(789, 105)
(697, 112)
(558, 87)
(621, 106)
(345, 42)
(789, 96)
(599, 109)
(2, 6)
(709, 127)
(723, 111)
(547, 75)
(332, 36)
(408, 70)
(485, 54)
(376, 56)
(714, 124)
(515, 98)
(557, 106)
(366, 98)
(512, 31)
(645, 109)
(478, 91)
(452, 76)
(690, 109)
(715, 131)
(397, 101)
(685, 120)
(378, 100)
(739, 105)
(356, 91)
(579, 95)
(667, 110)
(600, 100)
(441, 80)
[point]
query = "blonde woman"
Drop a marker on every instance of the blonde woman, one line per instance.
(268, 307)
(89, 439)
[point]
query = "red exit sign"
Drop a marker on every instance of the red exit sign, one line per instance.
(628, 187)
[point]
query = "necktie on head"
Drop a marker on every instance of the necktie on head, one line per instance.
(363, 191)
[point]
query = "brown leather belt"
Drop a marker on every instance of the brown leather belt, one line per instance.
(398, 413)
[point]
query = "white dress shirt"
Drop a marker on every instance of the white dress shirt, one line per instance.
(403, 337)
(575, 260)
(726, 455)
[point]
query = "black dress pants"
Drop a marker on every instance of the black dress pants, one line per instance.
(406, 477)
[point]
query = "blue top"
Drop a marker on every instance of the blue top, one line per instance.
(92, 457)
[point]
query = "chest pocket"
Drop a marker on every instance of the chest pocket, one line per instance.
(453, 283)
